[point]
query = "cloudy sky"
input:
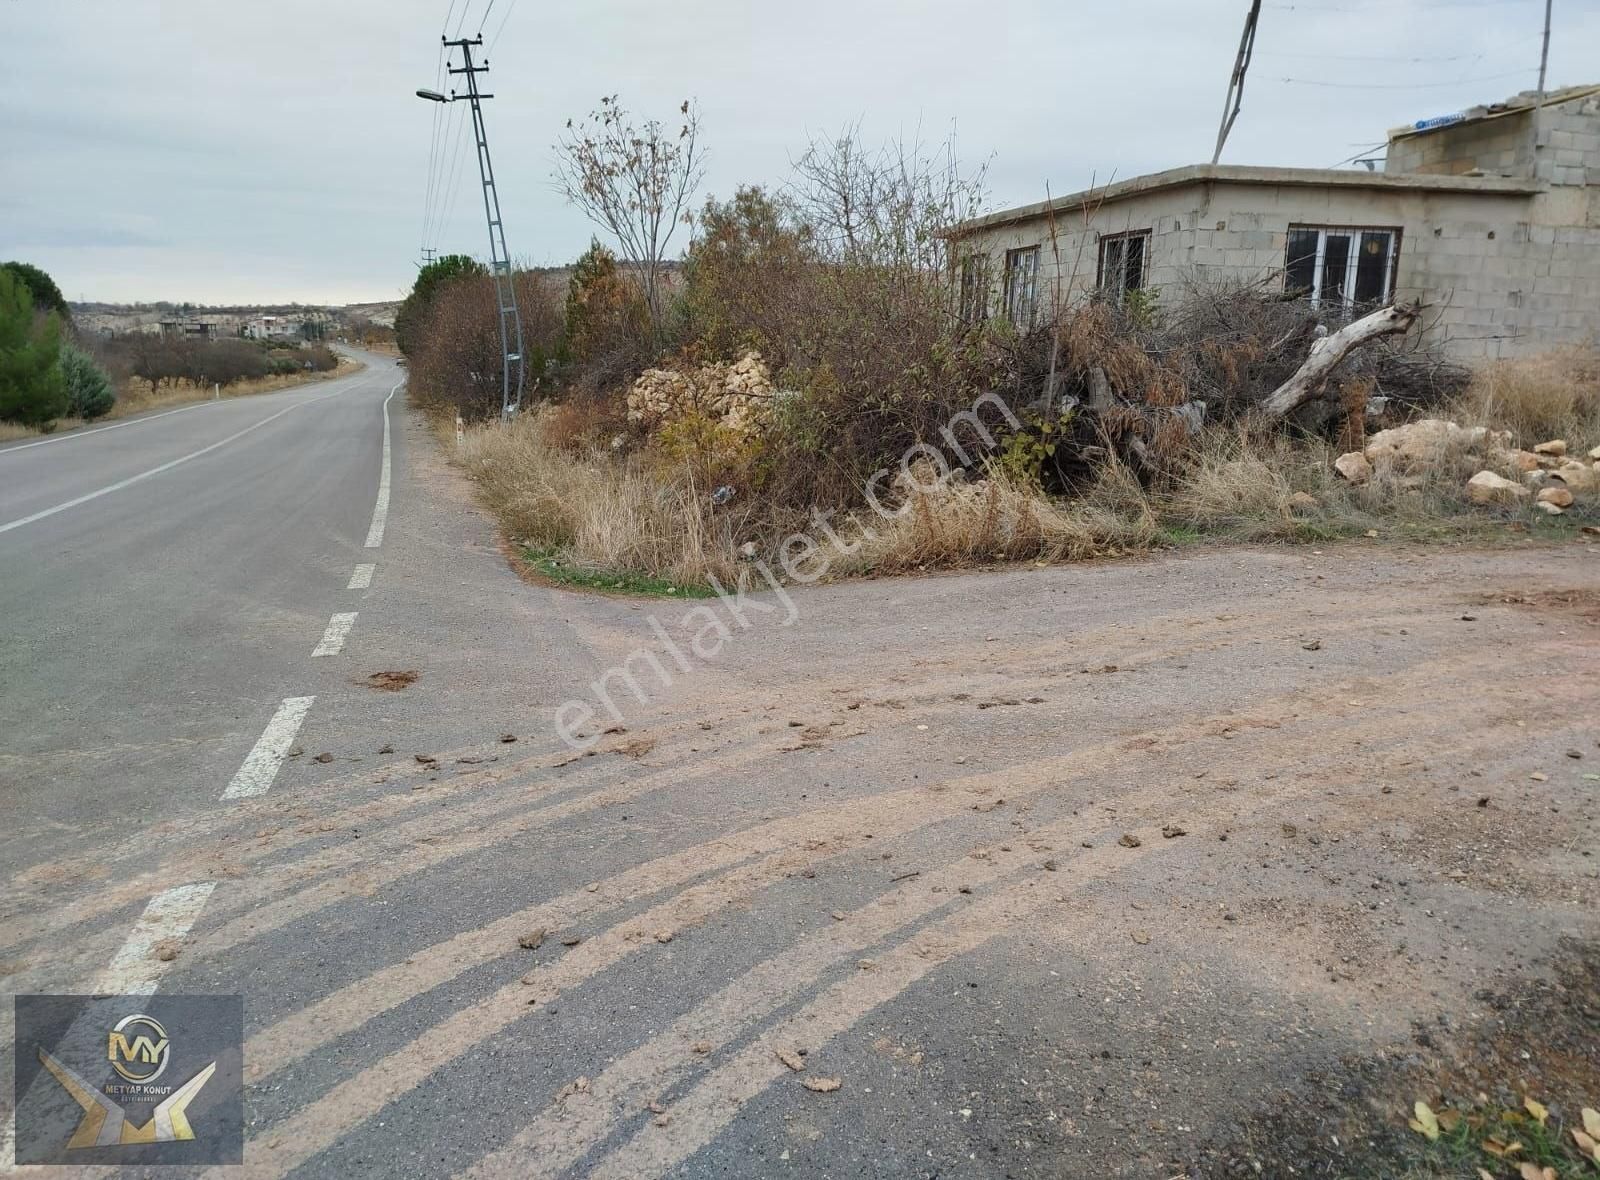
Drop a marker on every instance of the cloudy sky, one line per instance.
(221, 151)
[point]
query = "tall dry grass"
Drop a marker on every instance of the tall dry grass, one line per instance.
(135, 397)
(601, 512)
(1556, 395)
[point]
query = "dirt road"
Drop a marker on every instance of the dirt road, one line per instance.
(1128, 869)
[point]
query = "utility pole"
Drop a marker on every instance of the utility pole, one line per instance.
(1234, 99)
(427, 257)
(499, 258)
(1544, 57)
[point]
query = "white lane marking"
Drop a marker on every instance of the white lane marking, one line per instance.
(136, 971)
(68, 437)
(144, 475)
(362, 578)
(380, 510)
(262, 763)
(333, 638)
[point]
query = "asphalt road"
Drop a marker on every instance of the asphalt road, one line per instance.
(1054, 873)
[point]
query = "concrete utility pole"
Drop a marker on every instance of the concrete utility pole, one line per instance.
(499, 258)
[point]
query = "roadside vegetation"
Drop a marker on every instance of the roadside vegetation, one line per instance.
(54, 378)
(811, 372)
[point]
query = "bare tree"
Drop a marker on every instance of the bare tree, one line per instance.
(637, 182)
(887, 207)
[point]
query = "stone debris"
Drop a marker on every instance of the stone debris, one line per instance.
(1556, 447)
(739, 397)
(1488, 488)
(1354, 467)
(1559, 496)
(792, 1059)
(533, 939)
(821, 1085)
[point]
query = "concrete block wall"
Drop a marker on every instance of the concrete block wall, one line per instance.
(1569, 143)
(1503, 274)
(1497, 147)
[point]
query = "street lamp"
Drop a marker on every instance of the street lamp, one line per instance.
(432, 96)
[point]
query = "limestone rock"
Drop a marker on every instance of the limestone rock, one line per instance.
(1549, 509)
(1560, 497)
(1488, 488)
(1354, 466)
(1556, 447)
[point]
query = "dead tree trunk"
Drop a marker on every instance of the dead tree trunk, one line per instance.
(1327, 352)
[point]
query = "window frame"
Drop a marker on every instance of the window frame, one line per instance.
(1107, 241)
(1013, 268)
(973, 291)
(1355, 235)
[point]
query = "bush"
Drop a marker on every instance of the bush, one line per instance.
(456, 362)
(41, 287)
(33, 391)
(410, 322)
(89, 391)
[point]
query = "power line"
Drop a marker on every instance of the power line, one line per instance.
(485, 19)
(495, 40)
(1402, 85)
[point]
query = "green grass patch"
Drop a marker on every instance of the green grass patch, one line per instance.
(561, 569)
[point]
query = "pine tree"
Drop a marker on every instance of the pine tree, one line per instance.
(33, 390)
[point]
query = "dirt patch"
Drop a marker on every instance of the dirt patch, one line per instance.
(1535, 1040)
(1585, 603)
(392, 681)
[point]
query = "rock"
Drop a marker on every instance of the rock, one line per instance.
(748, 551)
(1550, 509)
(167, 949)
(1488, 488)
(792, 1059)
(1560, 497)
(1173, 831)
(701, 1047)
(508, 738)
(1129, 840)
(1519, 461)
(1304, 501)
(1354, 467)
(1556, 447)
(1577, 477)
(571, 940)
(1141, 937)
(533, 939)
(387, 749)
(1595, 454)
(323, 758)
(1314, 645)
(1426, 443)
(821, 1085)
(663, 936)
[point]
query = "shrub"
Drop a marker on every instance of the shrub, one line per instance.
(33, 391)
(89, 391)
(456, 364)
(411, 320)
(41, 287)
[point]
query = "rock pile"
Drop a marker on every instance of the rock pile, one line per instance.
(1506, 474)
(739, 396)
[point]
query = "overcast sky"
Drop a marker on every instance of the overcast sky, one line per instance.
(224, 151)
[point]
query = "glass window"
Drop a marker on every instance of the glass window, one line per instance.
(1343, 265)
(1122, 262)
(1022, 281)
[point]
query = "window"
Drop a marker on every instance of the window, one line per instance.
(1122, 262)
(1342, 265)
(974, 288)
(1022, 285)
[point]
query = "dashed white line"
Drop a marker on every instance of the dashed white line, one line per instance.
(333, 638)
(136, 970)
(262, 763)
(362, 578)
(168, 466)
(380, 510)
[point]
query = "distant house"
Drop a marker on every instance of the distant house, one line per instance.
(206, 327)
(273, 327)
(1492, 217)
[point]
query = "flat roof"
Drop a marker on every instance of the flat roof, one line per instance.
(1245, 174)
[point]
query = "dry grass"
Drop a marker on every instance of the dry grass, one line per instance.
(1556, 395)
(556, 489)
(135, 397)
(599, 512)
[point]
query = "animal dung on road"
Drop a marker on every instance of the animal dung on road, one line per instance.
(821, 1085)
(392, 681)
